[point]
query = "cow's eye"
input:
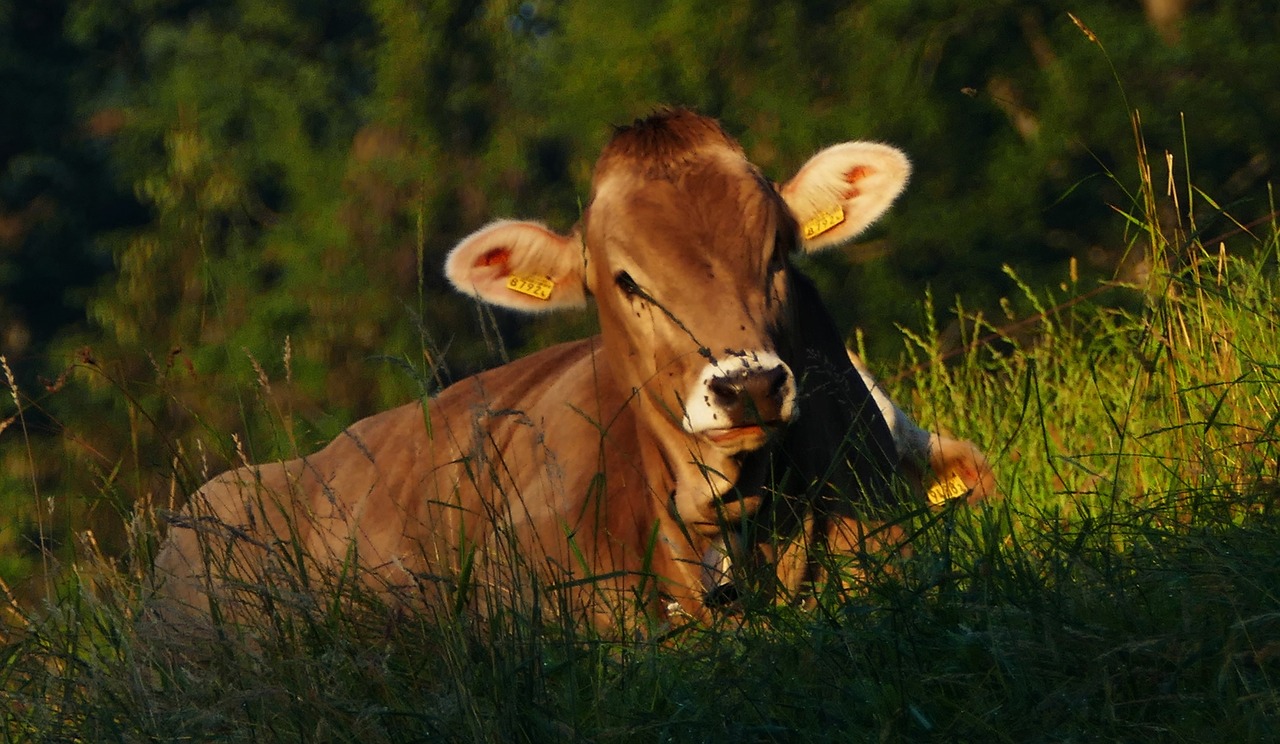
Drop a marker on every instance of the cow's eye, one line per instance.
(777, 262)
(627, 284)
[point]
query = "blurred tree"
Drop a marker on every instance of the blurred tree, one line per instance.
(56, 194)
(292, 156)
(56, 197)
(234, 117)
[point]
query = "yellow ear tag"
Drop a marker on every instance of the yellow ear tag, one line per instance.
(944, 490)
(535, 286)
(822, 222)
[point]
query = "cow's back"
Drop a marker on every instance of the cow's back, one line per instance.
(505, 472)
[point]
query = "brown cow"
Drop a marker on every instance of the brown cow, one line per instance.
(604, 470)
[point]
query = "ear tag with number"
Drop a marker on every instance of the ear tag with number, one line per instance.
(822, 222)
(538, 287)
(945, 490)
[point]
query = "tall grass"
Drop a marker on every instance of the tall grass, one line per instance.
(1126, 587)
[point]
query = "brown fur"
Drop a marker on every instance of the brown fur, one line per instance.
(397, 499)
(659, 145)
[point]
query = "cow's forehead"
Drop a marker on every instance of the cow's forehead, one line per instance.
(717, 211)
(677, 180)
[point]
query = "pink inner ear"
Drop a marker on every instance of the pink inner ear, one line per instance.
(851, 177)
(494, 257)
(856, 173)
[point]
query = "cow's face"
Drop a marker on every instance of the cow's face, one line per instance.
(685, 248)
(687, 265)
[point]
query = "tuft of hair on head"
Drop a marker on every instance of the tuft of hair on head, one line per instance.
(664, 140)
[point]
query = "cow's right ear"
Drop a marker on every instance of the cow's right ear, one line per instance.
(844, 189)
(520, 265)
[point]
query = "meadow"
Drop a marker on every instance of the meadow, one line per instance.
(1125, 587)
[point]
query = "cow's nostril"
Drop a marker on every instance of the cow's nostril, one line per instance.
(752, 396)
(727, 390)
(777, 381)
(763, 387)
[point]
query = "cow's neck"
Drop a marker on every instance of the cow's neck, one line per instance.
(684, 478)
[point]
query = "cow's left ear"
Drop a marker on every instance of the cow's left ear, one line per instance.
(520, 265)
(844, 189)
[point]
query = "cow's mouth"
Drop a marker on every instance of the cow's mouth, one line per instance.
(740, 438)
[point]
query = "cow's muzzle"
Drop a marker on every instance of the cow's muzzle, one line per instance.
(739, 401)
(753, 396)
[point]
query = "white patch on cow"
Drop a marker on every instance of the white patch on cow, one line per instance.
(913, 443)
(702, 413)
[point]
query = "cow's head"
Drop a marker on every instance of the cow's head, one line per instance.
(686, 249)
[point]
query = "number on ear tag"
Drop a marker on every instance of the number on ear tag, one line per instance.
(535, 286)
(945, 490)
(822, 222)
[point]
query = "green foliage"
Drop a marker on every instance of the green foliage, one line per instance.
(289, 158)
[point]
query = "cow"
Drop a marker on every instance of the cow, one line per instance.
(937, 466)
(715, 408)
